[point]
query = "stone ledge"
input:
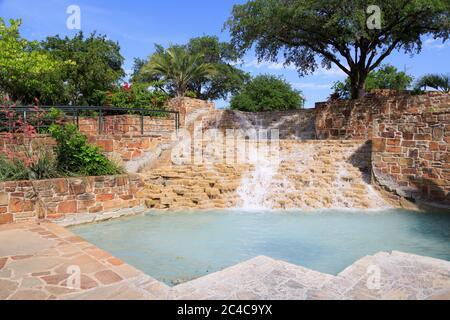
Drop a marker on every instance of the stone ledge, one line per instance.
(79, 219)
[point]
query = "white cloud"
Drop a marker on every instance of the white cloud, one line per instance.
(431, 43)
(267, 65)
(333, 72)
(312, 85)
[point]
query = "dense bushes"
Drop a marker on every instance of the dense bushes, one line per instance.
(267, 93)
(136, 96)
(42, 166)
(75, 156)
(24, 157)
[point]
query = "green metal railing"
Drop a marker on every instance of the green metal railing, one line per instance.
(40, 119)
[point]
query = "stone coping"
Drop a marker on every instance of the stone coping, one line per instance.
(35, 259)
(87, 218)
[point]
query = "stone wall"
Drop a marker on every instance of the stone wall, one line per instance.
(57, 198)
(189, 108)
(19, 144)
(354, 119)
(304, 173)
(410, 137)
(292, 124)
(127, 125)
(411, 153)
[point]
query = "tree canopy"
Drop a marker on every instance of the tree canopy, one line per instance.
(267, 93)
(97, 65)
(386, 77)
(313, 33)
(440, 82)
(178, 67)
(26, 71)
(227, 78)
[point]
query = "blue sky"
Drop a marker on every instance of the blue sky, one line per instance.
(138, 24)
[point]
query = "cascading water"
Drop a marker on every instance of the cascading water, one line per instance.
(308, 175)
(254, 192)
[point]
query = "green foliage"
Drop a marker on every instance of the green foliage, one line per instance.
(97, 66)
(440, 82)
(313, 33)
(44, 167)
(77, 157)
(137, 96)
(386, 77)
(11, 170)
(178, 67)
(267, 93)
(226, 80)
(26, 71)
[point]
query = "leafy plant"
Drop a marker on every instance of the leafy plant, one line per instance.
(26, 71)
(97, 66)
(386, 77)
(309, 34)
(178, 67)
(44, 167)
(440, 82)
(12, 169)
(77, 157)
(267, 93)
(137, 96)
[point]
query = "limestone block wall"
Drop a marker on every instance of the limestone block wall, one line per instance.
(410, 136)
(188, 107)
(127, 125)
(411, 153)
(292, 124)
(18, 143)
(57, 198)
(354, 119)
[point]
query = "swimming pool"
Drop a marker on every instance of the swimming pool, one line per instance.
(180, 246)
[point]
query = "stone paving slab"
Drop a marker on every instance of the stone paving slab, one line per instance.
(35, 260)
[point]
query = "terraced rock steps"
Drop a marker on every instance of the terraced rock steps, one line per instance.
(304, 175)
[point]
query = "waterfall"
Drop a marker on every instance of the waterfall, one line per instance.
(309, 175)
(254, 191)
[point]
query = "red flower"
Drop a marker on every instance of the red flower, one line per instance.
(126, 87)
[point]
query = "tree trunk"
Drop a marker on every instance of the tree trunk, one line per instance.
(358, 83)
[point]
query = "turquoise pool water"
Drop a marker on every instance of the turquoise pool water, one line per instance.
(177, 247)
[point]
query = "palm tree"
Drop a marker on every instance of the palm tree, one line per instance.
(178, 67)
(440, 82)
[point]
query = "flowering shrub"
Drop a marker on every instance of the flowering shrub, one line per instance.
(21, 159)
(75, 156)
(136, 96)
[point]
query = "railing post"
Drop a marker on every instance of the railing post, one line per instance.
(100, 121)
(142, 122)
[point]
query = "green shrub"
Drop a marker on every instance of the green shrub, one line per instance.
(11, 170)
(137, 96)
(77, 157)
(44, 167)
(267, 93)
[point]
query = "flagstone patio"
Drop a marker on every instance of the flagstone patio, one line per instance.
(36, 259)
